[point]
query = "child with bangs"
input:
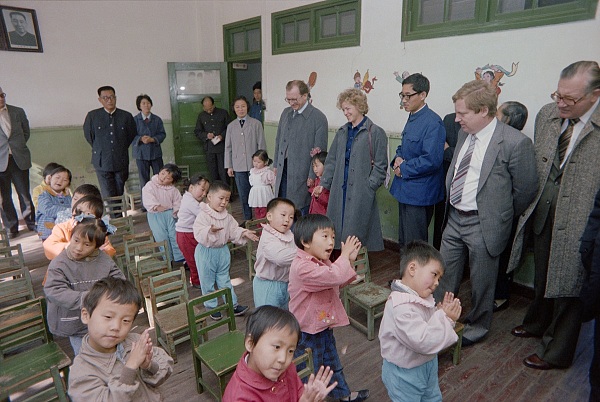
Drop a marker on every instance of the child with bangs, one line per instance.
(55, 199)
(315, 295)
(45, 184)
(265, 371)
(80, 192)
(71, 275)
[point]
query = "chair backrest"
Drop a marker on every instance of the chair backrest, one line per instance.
(256, 225)
(15, 279)
(129, 243)
(56, 392)
(152, 259)
(23, 325)
(116, 206)
(185, 171)
(4, 240)
(361, 265)
(124, 227)
(198, 315)
(168, 289)
(309, 367)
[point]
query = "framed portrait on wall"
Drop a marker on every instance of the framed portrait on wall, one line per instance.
(19, 30)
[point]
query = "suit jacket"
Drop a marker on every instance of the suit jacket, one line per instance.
(216, 123)
(507, 183)
(17, 142)
(242, 142)
(580, 182)
(110, 145)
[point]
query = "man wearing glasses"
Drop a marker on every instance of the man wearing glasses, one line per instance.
(419, 181)
(15, 161)
(302, 128)
(110, 132)
(567, 149)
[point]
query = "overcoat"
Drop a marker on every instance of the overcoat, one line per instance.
(361, 214)
(580, 183)
(296, 137)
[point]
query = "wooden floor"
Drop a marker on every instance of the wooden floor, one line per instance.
(490, 371)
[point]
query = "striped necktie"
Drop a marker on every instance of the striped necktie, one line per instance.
(565, 139)
(458, 183)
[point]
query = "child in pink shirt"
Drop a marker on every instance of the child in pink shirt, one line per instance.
(213, 228)
(413, 330)
(265, 372)
(314, 294)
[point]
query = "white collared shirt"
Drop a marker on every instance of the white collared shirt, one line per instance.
(303, 107)
(482, 141)
(577, 129)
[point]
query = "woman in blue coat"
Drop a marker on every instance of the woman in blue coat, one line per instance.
(146, 145)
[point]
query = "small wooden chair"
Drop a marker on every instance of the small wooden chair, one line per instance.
(27, 351)
(15, 279)
(56, 391)
(129, 244)
(251, 247)
(304, 364)
(220, 354)
(368, 296)
(117, 206)
(133, 192)
(4, 239)
(185, 174)
(168, 296)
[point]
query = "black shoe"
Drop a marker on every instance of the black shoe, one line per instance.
(467, 342)
(32, 228)
(12, 235)
(239, 310)
(362, 395)
(216, 316)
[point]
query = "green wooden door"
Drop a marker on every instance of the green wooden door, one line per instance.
(188, 84)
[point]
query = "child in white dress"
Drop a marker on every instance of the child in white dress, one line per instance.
(262, 180)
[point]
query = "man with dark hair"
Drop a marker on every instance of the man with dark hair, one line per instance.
(15, 161)
(20, 36)
(492, 178)
(258, 107)
(110, 132)
(567, 145)
(302, 128)
(419, 181)
(211, 128)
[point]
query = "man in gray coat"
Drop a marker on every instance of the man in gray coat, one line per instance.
(567, 145)
(302, 128)
(15, 161)
(491, 180)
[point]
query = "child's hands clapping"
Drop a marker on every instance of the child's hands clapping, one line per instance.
(250, 234)
(316, 389)
(141, 353)
(350, 248)
(451, 306)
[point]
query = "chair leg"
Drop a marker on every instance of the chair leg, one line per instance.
(370, 324)
(198, 372)
(456, 353)
(149, 311)
(172, 351)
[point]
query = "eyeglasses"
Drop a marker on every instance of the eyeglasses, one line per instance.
(2, 95)
(108, 98)
(406, 96)
(556, 97)
(294, 100)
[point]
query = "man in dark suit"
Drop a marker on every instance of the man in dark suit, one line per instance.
(110, 132)
(15, 161)
(211, 128)
(491, 179)
(567, 145)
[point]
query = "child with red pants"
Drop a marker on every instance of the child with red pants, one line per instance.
(197, 187)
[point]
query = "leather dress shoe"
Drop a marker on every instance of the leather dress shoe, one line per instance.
(467, 342)
(12, 235)
(362, 395)
(520, 332)
(535, 362)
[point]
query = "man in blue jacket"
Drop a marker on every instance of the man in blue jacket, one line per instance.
(419, 181)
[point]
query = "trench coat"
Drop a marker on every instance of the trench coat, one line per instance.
(361, 214)
(580, 183)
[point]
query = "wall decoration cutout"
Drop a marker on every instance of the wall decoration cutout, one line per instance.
(493, 73)
(400, 78)
(365, 83)
(312, 80)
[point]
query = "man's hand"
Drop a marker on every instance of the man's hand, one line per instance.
(210, 136)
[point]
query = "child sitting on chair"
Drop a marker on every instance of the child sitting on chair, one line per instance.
(265, 372)
(113, 363)
(315, 294)
(72, 273)
(213, 228)
(80, 192)
(413, 330)
(50, 202)
(162, 201)
(275, 253)
(45, 184)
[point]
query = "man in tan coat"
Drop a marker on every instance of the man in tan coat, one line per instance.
(567, 148)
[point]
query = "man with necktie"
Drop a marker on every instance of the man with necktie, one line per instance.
(15, 161)
(567, 149)
(491, 180)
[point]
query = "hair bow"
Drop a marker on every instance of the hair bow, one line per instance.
(79, 218)
(110, 229)
(315, 151)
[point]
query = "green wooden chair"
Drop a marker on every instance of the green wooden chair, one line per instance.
(251, 247)
(368, 296)
(304, 364)
(15, 280)
(117, 206)
(124, 227)
(56, 391)
(4, 240)
(168, 296)
(221, 353)
(151, 259)
(129, 244)
(27, 351)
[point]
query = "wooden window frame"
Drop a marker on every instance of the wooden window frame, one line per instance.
(241, 26)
